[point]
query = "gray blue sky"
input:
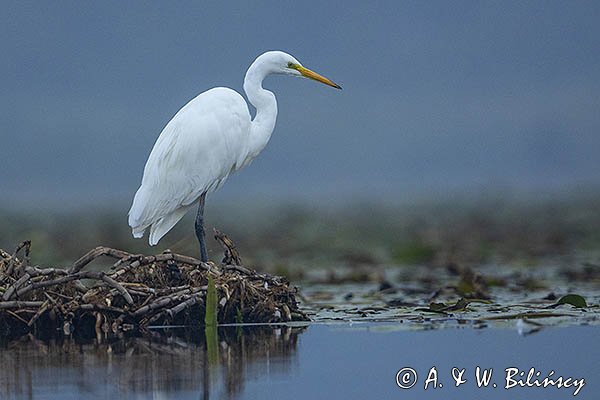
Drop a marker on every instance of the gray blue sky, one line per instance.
(438, 96)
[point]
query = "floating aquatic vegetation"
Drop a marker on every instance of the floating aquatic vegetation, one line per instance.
(572, 299)
(456, 295)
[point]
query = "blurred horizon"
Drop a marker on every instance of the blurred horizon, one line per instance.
(234, 202)
(287, 237)
(441, 100)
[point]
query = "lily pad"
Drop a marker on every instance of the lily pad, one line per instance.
(572, 299)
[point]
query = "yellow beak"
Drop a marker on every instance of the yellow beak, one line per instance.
(307, 73)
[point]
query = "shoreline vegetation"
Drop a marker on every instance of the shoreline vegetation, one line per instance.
(414, 263)
(288, 238)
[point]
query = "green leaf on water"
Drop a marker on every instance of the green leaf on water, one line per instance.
(572, 299)
(460, 305)
(442, 308)
(437, 307)
(210, 316)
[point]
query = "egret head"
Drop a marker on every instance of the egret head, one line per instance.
(278, 62)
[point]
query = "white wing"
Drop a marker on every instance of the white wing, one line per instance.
(194, 154)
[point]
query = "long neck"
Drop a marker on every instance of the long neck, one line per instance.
(266, 108)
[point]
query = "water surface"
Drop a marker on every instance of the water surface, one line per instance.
(332, 361)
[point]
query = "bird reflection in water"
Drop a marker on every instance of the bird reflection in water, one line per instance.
(160, 364)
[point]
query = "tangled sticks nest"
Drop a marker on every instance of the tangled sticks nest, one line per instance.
(138, 292)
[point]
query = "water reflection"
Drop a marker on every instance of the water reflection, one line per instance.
(196, 363)
(337, 361)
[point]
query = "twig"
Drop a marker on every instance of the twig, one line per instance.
(11, 290)
(19, 304)
(95, 253)
(17, 316)
(26, 244)
(77, 276)
(171, 312)
(167, 300)
(146, 260)
(241, 269)
(39, 313)
(112, 283)
(36, 271)
(232, 256)
(101, 307)
(163, 302)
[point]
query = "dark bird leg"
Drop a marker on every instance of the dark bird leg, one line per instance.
(200, 229)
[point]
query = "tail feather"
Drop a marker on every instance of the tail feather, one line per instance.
(164, 225)
(137, 232)
(135, 215)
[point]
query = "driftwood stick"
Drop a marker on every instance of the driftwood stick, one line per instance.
(19, 304)
(183, 259)
(136, 260)
(11, 290)
(70, 298)
(128, 259)
(171, 289)
(95, 253)
(81, 288)
(149, 290)
(52, 282)
(26, 244)
(77, 276)
(101, 307)
(154, 318)
(167, 300)
(232, 256)
(36, 271)
(17, 316)
(171, 312)
(187, 291)
(39, 313)
(135, 292)
(160, 303)
(51, 299)
(112, 283)
(241, 269)
(121, 266)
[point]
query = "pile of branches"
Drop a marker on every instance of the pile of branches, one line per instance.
(136, 293)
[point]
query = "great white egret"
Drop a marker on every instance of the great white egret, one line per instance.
(211, 137)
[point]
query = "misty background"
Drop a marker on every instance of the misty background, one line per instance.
(442, 101)
(437, 96)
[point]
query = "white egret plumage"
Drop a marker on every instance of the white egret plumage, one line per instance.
(211, 137)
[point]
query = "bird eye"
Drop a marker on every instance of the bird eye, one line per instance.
(290, 65)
